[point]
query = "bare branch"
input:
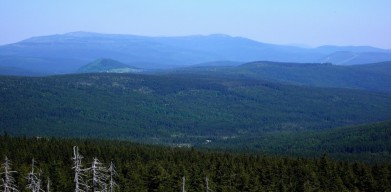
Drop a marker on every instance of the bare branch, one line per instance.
(113, 173)
(33, 179)
(99, 176)
(8, 182)
(79, 171)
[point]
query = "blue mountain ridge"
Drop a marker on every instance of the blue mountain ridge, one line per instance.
(65, 53)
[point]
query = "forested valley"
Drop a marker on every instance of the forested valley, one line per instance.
(177, 108)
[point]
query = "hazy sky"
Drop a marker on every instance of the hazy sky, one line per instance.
(310, 22)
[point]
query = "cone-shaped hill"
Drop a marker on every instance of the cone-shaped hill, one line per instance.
(107, 66)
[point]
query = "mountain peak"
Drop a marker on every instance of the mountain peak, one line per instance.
(220, 35)
(106, 65)
(81, 34)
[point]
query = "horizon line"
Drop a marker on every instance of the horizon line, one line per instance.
(296, 44)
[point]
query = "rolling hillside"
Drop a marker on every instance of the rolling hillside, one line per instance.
(176, 109)
(372, 77)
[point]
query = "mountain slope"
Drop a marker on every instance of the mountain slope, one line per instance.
(107, 66)
(353, 58)
(67, 52)
(218, 64)
(373, 77)
(14, 71)
(174, 108)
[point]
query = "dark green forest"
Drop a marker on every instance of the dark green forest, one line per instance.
(200, 111)
(369, 143)
(371, 77)
(176, 108)
(152, 168)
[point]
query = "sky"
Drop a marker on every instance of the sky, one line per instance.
(301, 22)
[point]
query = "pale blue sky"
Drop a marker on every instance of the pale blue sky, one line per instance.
(310, 22)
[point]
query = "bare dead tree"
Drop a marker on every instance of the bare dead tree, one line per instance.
(33, 179)
(80, 183)
(113, 173)
(8, 182)
(207, 184)
(99, 176)
(48, 185)
(183, 184)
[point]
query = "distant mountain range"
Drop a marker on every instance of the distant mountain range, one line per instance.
(66, 53)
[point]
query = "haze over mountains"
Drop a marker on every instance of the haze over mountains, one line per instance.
(236, 92)
(66, 53)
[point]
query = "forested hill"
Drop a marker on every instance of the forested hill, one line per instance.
(176, 109)
(147, 168)
(106, 66)
(372, 77)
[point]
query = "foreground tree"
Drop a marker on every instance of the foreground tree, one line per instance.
(8, 182)
(113, 173)
(183, 184)
(33, 179)
(80, 184)
(99, 176)
(207, 184)
(48, 185)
